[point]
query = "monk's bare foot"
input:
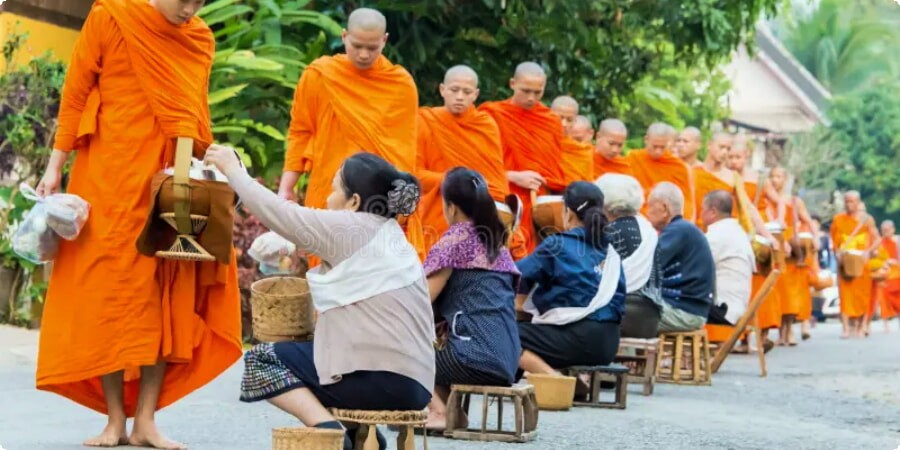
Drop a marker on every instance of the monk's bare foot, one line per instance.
(113, 435)
(146, 435)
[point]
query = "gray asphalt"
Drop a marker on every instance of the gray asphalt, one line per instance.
(827, 393)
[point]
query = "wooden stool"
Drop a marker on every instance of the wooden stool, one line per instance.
(524, 402)
(613, 372)
(674, 348)
(367, 420)
(639, 355)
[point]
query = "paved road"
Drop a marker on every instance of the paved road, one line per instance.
(826, 394)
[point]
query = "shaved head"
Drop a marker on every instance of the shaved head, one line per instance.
(687, 144)
(366, 19)
(582, 129)
(459, 89)
(614, 126)
(528, 85)
(718, 148)
(657, 139)
(529, 69)
(461, 71)
(365, 37)
(611, 137)
(566, 108)
(176, 12)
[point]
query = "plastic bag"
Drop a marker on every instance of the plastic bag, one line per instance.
(52, 217)
(273, 253)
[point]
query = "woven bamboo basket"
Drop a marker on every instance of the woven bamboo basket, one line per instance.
(282, 309)
(553, 392)
(307, 439)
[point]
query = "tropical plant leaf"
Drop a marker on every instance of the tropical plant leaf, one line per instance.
(226, 93)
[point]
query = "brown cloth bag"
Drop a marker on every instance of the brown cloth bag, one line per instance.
(216, 238)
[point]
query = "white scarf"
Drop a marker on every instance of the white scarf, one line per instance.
(610, 271)
(639, 265)
(388, 262)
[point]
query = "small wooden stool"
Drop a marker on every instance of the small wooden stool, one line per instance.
(614, 372)
(526, 412)
(639, 355)
(367, 420)
(674, 349)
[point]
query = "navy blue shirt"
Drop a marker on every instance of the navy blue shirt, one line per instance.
(688, 268)
(566, 269)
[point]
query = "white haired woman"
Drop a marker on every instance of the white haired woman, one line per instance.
(634, 238)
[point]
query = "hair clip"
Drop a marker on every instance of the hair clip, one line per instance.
(475, 182)
(581, 206)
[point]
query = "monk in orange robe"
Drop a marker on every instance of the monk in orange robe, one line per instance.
(582, 129)
(577, 157)
(886, 292)
(454, 135)
(532, 139)
(656, 163)
(124, 334)
(687, 147)
(611, 137)
(793, 285)
(358, 101)
(854, 230)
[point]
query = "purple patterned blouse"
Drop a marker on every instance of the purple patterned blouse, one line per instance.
(460, 248)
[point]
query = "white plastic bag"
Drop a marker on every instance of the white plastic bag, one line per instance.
(55, 216)
(273, 253)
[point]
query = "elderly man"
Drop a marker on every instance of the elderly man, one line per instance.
(733, 258)
(684, 259)
(635, 241)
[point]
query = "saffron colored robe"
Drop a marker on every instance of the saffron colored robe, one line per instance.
(340, 110)
(649, 172)
(446, 141)
(603, 165)
(532, 139)
(577, 161)
(886, 293)
(855, 292)
(769, 313)
(135, 83)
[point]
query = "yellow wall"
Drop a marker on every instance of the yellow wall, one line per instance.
(41, 37)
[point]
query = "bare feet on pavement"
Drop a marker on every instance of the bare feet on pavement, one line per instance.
(113, 435)
(146, 435)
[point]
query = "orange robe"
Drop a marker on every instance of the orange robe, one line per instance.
(855, 292)
(886, 293)
(532, 140)
(445, 141)
(340, 110)
(706, 182)
(650, 172)
(577, 161)
(793, 286)
(603, 166)
(135, 82)
(769, 312)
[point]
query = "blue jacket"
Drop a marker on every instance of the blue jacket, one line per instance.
(687, 266)
(565, 268)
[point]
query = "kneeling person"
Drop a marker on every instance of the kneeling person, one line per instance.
(472, 279)
(373, 340)
(577, 290)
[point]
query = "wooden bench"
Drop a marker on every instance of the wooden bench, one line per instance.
(616, 373)
(406, 421)
(639, 355)
(525, 413)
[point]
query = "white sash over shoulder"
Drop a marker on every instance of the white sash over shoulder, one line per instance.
(388, 262)
(639, 265)
(610, 271)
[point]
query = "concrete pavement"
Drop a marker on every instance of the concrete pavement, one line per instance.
(827, 393)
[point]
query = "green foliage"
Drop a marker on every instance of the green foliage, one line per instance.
(262, 47)
(867, 125)
(595, 50)
(848, 46)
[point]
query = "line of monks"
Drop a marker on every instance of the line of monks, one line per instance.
(139, 78)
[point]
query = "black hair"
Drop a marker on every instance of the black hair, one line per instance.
(586, 201)
(382, 189)
(467, 189)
